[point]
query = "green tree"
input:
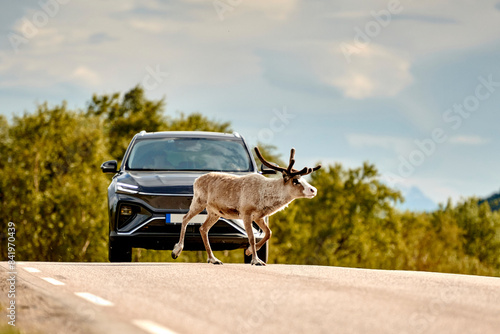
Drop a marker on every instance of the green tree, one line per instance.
(431, 242)
(481, 231)
(196, 122)
(53, 192)
(4, 138)
(126, 115)
(345, 224)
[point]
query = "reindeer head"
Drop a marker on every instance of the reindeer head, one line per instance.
(293, 177)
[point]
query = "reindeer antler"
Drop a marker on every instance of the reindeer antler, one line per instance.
(268, 164)
(288, 172)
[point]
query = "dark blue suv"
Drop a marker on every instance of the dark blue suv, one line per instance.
(153, 188)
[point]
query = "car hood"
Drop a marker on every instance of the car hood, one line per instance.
(173, 183)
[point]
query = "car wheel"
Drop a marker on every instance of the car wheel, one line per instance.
(262, 253)
(119, 251)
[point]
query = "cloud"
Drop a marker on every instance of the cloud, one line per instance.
(86, 75)
(426, 18)
(468, 140)
(276, 10)
(148, 25)
(375, 71)
(321, 68)
(99, 38)
(348, 14)
(396, 144)
(291, 69)
(190, 37)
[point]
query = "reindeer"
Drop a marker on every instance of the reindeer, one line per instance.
(250, 197)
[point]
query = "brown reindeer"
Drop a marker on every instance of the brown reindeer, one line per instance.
(250, 197)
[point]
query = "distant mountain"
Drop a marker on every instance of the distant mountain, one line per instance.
(493, 201)
(416, 200)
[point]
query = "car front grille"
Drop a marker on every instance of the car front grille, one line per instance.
(172, 202)
(160, 226)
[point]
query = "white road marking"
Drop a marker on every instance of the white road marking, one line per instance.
(94, 299)
(31, 270)
(52, 281)
(152, 327)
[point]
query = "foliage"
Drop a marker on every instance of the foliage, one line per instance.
(493, 201)
(126, 116)
(196, 122)
(54, 191)
(352, 222)
(347, 224)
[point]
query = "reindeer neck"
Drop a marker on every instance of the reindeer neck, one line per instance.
(277, 197)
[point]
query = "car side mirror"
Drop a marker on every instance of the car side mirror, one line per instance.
(266, 170)
(109, 166)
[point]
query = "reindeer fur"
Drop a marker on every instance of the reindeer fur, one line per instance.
(250, 198)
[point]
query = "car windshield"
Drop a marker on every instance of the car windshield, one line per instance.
(189, 154)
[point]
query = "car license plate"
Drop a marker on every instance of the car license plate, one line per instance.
(176, 218)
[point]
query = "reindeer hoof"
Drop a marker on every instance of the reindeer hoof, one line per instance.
(177, 251)
(214, 261)
(257, 262)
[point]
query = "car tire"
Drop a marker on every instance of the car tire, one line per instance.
(119, 251)
(262, 253)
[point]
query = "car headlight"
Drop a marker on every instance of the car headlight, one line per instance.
(126, 188)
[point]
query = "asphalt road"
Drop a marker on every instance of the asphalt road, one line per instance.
(237, 298)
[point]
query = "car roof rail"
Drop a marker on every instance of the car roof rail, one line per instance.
(236, 134)
(142, 133)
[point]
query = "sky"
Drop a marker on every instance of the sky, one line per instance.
(412, 87)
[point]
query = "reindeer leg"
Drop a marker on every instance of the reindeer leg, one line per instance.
(195, 209)
(247, 220)
(204, 228)
(267, 234)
